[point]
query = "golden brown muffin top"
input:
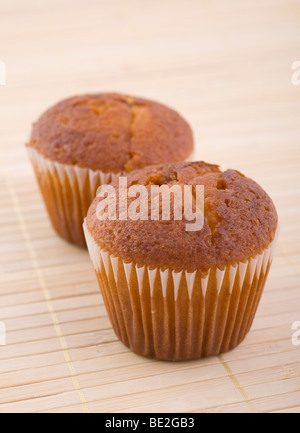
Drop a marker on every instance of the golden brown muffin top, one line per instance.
(112, 133)
(240, 221)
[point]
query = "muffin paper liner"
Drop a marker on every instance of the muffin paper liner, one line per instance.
(180, 315)
(68, 192)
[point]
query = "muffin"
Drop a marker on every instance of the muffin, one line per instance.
(89, 140)
(178, 295)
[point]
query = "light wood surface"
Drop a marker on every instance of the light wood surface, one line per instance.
(227, 67)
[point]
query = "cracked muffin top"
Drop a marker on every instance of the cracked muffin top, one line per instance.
(240, 221)
(112, 133)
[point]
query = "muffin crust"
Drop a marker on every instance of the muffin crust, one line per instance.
(112, 133)
(240, 222)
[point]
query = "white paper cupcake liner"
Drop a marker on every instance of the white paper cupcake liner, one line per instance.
(68, 191)
(180, 315)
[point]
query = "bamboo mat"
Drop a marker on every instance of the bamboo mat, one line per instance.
(227, 67)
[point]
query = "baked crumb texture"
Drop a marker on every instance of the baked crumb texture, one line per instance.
(112, 133)
(240, 222)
